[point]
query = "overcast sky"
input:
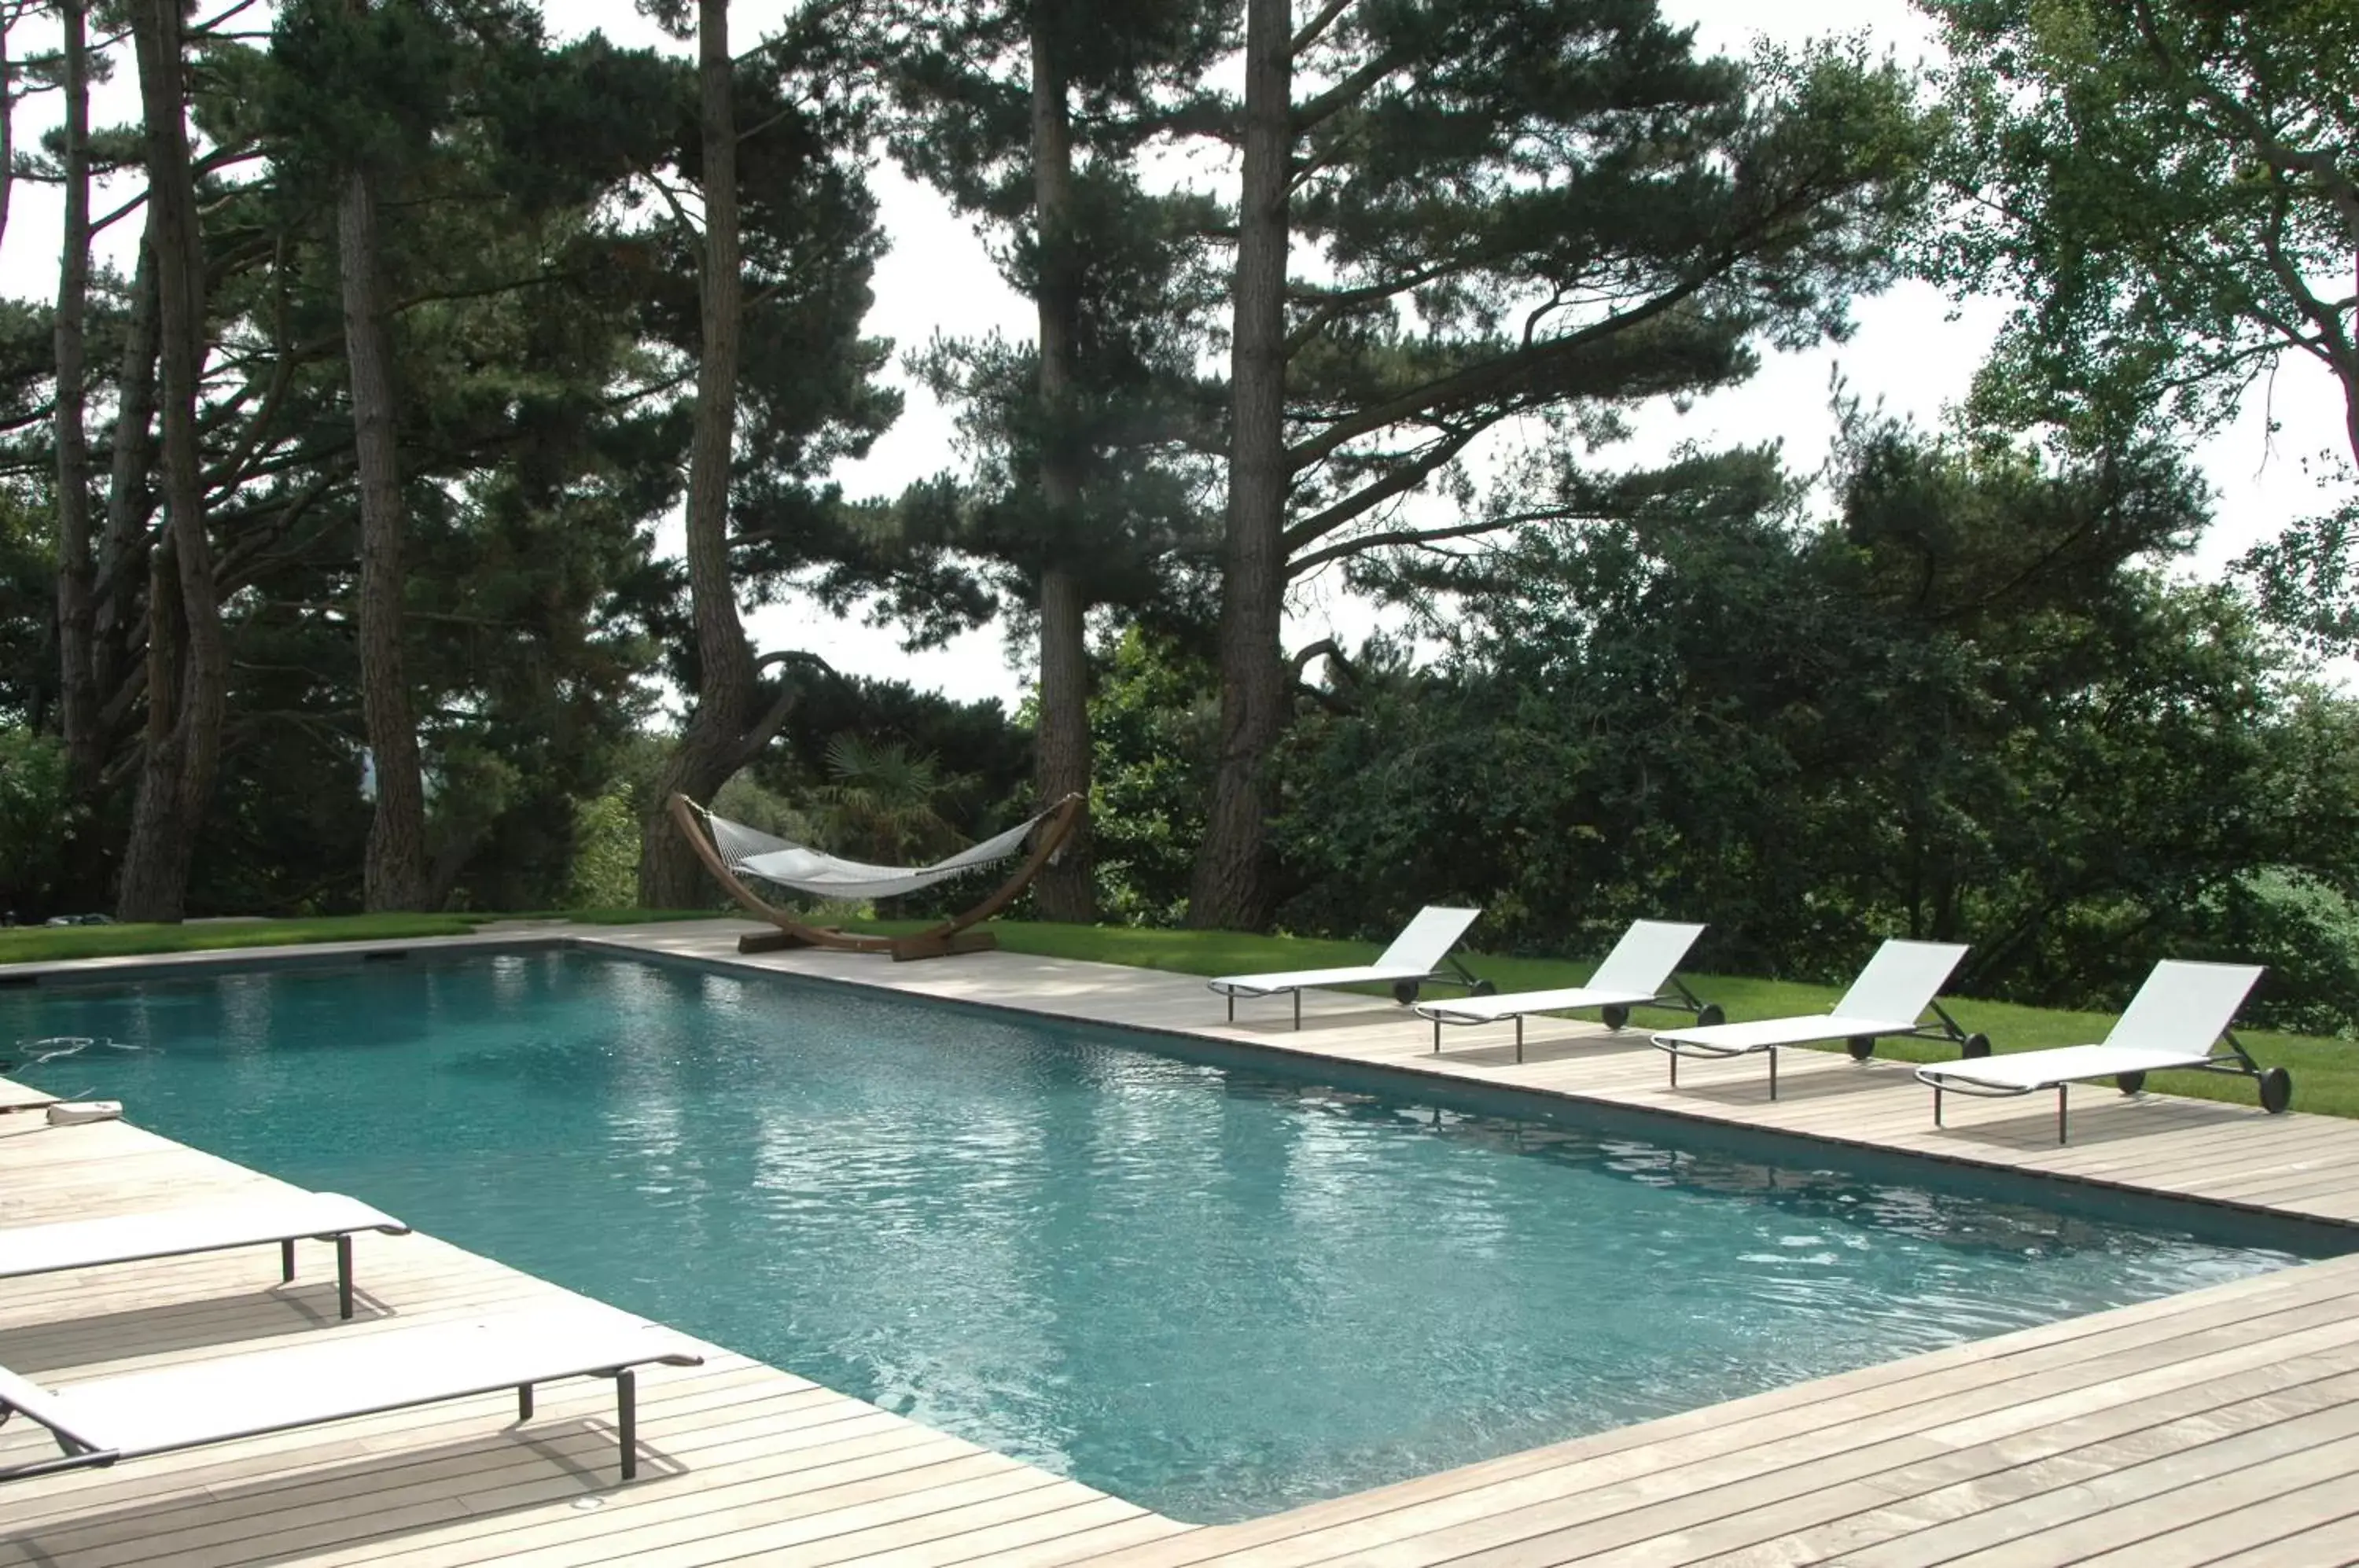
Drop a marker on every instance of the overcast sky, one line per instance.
(1915, 350)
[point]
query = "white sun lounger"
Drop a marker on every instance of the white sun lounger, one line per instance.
(284, 1219)
(2175, 1023)
(1414, 959)
(110, 1420)
(1889, 997)
(1633, 975)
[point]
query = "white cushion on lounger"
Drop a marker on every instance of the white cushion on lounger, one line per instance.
(2028, 1070)
(2172, 1021)
(1416, 952)
(1303, 979)
(1760, 1034)
(1633, 974)
(1890, 994)
(173, 1232)
(347, 1375)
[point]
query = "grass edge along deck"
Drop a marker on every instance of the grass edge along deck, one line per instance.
(2219, 1425)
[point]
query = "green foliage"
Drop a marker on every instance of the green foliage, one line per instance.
(606, 854)
(2168, 186)
(1132, 273)
(1968, 710)
(41, 829)
(543, 339)
(1152, 723)
(28, 675)
(2306, 580)
(741, 800)
(883, 803)
(976, 741)
(2308, 931)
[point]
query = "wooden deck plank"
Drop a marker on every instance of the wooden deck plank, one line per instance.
(1686, 1513)
(2337, 1542)
(1609, 1473)
(1857, 1511)
(2197, 1521)
(2003, 1530)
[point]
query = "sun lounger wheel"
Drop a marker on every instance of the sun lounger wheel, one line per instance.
(2276, 1091)
(1861, 1047)
(1712, 1015)
(1614, 1017)
(1975, 1046)
(2130, 1083)
(1483, 988)
(1404, 992)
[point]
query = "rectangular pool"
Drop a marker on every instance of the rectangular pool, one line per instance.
(1205, 1283)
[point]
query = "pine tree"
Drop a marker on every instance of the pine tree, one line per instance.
(1527, 211)
(188, 658)
(788, 358)
(1027, 114)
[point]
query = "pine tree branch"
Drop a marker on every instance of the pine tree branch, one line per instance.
(1401, 537)
(1311, 116)
(1316, 26)
(1400, 482)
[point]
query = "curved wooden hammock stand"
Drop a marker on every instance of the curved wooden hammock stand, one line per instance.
(937, 941)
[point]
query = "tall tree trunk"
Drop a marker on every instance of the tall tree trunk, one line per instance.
(1066, 890)
(77, 615)
(395, 876)
(8, 117)
(120, 610)
(724, 732)
(1232, 887)
(187, 660)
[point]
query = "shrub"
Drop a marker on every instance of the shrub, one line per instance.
(39, 825)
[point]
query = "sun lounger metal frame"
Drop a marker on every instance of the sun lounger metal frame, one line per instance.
(1859, 1031)
(951, 936)
(82, 1448)
(1615, 1014)
(1615, 1004)
(2274, 1084)
(1405, 986)
(1861, 1045)
(337, 1219)
(1404, 979)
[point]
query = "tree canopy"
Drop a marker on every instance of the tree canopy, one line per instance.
(427, 404)
(2171, 186)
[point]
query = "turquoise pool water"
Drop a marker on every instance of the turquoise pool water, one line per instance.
(1209, 1287)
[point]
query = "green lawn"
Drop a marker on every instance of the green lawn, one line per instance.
(2326, 1072)
(51, 944)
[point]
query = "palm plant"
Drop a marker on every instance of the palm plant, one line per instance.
(885, 803)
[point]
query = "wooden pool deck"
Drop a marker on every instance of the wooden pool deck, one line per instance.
(2216, 1427)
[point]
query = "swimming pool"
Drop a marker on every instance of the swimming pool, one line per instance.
(1207, 1285)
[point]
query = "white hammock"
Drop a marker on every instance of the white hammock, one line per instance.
(774, 859)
